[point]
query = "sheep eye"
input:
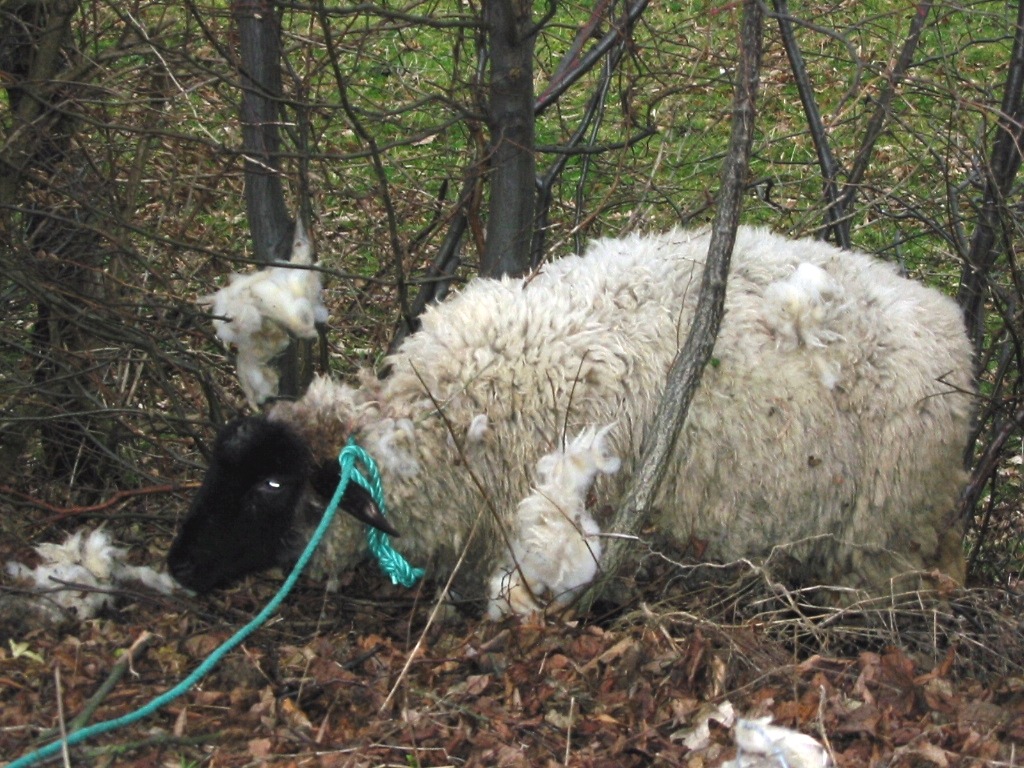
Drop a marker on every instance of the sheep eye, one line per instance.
(271, 485)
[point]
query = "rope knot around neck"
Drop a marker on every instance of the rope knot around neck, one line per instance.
(391, 561)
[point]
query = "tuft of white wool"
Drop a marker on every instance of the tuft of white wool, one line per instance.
(58, 598)
(762, 745)
(803, 301)
(94, 551)
(73, 577)
(477, 428)
(554, 544)
(830, 427)
(394, 447)
(258, 313)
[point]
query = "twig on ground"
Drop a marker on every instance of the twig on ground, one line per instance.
(59, 693)
(117, 498)
(123, 663)
(568, 730)
(439, 603)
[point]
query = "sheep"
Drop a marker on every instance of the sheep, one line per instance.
(830, 424)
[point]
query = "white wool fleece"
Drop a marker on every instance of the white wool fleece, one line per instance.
(831, 422)
(555, 545)
(74, 579)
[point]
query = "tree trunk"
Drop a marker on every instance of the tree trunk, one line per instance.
(510, 223)
(51, 251)
(36, 60)
(259, 31)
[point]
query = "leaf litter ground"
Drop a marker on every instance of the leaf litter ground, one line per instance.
(353, 679)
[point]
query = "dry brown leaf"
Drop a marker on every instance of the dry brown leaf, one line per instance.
(294, 716)
(928, 752)
(181, 723)
(259, 748)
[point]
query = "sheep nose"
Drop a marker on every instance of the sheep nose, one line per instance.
(184, 571)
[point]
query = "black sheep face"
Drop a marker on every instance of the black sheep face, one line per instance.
(241, 518)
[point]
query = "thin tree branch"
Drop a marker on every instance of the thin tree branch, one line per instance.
(836, 222)
(1002, 170)
(684, 376)
(398, 252)
(566, 75)
(877, 122)
(989, 462)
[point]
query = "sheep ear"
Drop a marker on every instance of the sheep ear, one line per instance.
(356, 500)
(358, 503)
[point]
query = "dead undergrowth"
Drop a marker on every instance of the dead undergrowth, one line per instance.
(353, 679)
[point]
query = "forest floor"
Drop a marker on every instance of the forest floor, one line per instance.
(372, 675)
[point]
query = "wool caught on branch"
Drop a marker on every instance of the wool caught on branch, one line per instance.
(259, 312)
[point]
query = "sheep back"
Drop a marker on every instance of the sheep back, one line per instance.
(832, 419)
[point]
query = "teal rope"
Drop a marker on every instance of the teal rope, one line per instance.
(391, 562)
(347, 459)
